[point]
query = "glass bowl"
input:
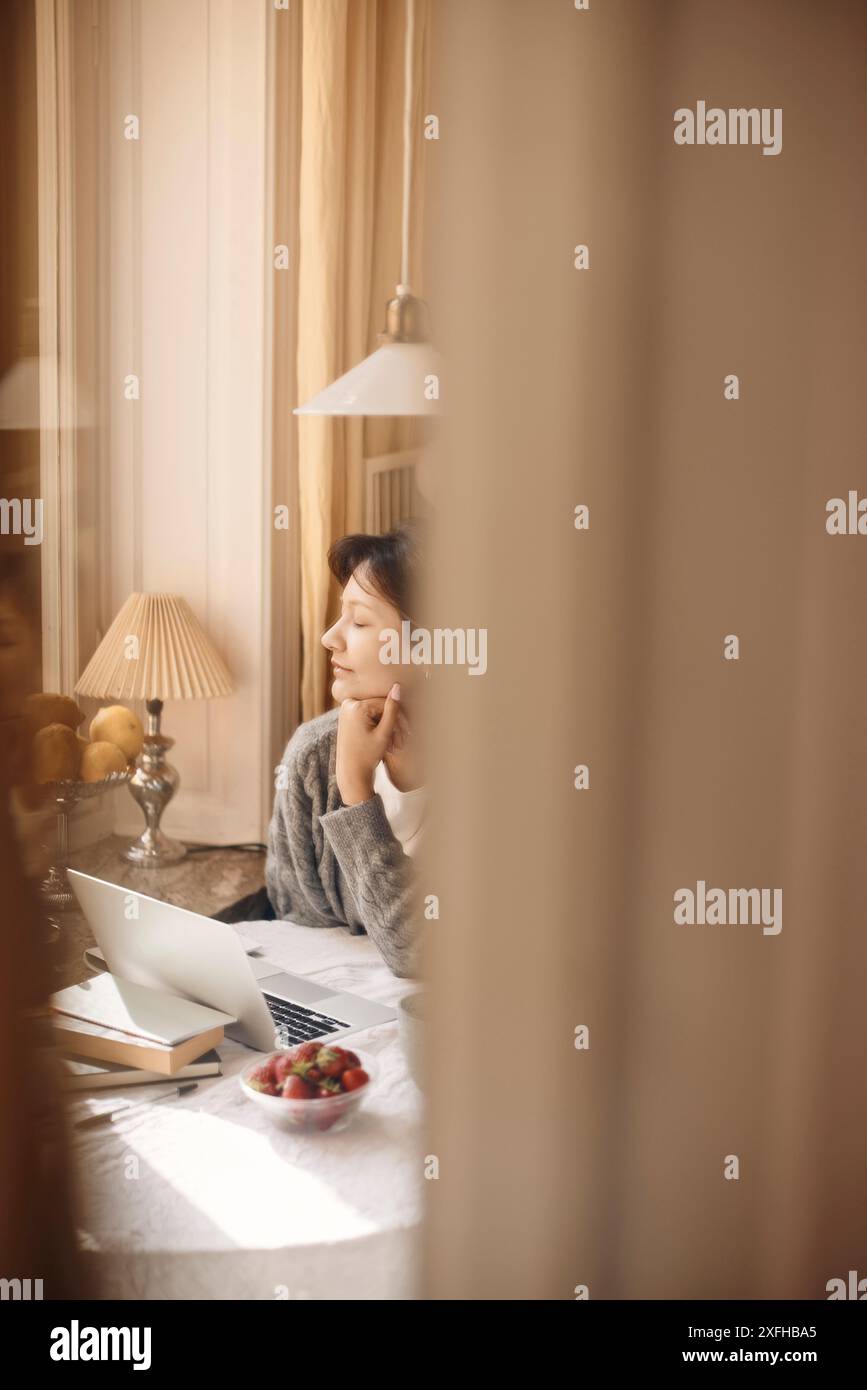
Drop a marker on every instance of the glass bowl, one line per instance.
(316, 1116)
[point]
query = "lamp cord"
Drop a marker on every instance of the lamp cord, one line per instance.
(403, 287)
(251, 847)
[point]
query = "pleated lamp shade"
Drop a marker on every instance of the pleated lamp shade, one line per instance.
(171, 658)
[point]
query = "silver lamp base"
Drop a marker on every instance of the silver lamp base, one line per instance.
(154, 851)
(153, 784)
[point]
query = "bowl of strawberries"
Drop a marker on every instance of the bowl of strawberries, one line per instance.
(312, 1087)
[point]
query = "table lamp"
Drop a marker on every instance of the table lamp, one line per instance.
(155, 650)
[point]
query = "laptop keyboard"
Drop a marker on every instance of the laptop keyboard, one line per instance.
(297, 1024)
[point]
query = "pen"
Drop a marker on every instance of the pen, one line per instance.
(105, 1117)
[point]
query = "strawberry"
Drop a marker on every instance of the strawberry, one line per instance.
(282, 1067)
(331, 1060)
(306, 1051)
(354, 1078)
(296, 1088)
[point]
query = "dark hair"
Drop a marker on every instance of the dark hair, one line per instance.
(390, 562)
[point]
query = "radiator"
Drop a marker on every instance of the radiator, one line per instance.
(392, 491)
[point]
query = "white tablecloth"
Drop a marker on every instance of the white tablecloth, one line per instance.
(204, 1197)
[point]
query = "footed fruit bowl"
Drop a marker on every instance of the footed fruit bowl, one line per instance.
(56, 890)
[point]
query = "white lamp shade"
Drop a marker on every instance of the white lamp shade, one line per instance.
(156, 649)
(394, 380)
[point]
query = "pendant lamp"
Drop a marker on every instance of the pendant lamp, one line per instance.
(402, 376)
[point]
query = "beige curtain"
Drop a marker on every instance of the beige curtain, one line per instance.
(349, 209)
(560, 1168)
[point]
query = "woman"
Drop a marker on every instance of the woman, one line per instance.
(349, 804)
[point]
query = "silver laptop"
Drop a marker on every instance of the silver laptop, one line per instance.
(154, 943)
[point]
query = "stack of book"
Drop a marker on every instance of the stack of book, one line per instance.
(116, 1033)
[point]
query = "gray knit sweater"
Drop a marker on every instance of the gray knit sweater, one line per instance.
(331, 865)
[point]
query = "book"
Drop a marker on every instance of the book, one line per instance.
(114, 1020)
(85, 1074)
(111, 1045)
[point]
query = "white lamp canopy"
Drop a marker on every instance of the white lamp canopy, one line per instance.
(393, 380)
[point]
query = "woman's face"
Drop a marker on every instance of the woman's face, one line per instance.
(354, 644)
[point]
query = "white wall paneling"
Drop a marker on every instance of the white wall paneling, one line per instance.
(184, 468)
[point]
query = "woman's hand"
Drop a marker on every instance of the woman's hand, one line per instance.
(366, 731)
